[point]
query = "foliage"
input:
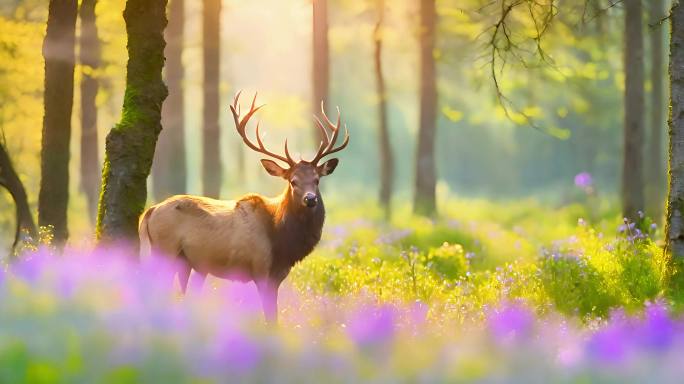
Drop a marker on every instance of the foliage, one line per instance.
(368, 305)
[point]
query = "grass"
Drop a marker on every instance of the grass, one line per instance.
(488, 291)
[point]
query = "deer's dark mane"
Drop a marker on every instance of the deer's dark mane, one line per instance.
(296, 231)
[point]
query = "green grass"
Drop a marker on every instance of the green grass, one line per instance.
(478, 253)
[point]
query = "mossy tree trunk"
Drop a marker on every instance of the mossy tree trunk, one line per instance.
(425, 176)
(320, 65)
(90, 62)
(674, 229)
(655, 186)
(130, 144)
(10, 181)
(385, 146)
(169, 172)
(632, 166)
(58, 51)
(212, 170)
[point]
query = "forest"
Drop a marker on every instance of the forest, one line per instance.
(503, 184)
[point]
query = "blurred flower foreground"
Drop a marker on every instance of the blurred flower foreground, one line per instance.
(101, 317)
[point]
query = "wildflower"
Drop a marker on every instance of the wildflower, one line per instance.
(372, 326)
(235, 350)
(418, 313)
(609, 345)
(654, 226)
(584, 180)
(31, 267)
(657, 330)
(511, 321)
(581, 222)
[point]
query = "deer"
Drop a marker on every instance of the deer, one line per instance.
(253, 238)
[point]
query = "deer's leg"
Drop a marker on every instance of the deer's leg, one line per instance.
(184, 271)
(196, 281)
(268, 292)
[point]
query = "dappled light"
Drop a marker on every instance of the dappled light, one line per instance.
(307, 191)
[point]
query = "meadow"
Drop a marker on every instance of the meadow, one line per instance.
(490, 291)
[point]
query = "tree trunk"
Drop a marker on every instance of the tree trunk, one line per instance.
(211, 167)
(632, 167)
(655, 186)
(169, 167)
(385, 146)
(10, 181)
(424, 198)
(90, 62)
(58, 51)
(321, 61)
(674, 227)
(130, 144)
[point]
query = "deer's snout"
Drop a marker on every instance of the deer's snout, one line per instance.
(310, 199)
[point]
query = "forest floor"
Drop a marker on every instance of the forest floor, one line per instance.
(489, 291)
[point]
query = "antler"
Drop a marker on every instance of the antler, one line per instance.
(241, 125)
(327, 146)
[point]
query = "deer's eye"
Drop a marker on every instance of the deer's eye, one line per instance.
(294, 183)
(316, 181)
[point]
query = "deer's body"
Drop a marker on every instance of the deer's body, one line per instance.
(253, 238)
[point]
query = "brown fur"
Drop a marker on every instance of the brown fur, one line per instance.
(222, 238)
(253, 238)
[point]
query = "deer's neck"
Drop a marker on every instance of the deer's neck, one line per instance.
(297, 230)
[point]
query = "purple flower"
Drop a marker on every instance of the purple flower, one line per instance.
(511, 321)
(31, 266)
(418, 312)
(610, 344)
(657, 330)
(584, 180)
(235, 351)
(372, 326)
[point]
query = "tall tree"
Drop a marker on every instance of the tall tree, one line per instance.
(90, 61)
(385, 146)
(10, 181)
(211, 167)
(425, 176)
(632, 166)
(169, 168)
(655, 186)
(674, 229)
(58, 51)
(321, 60)
(130, 144)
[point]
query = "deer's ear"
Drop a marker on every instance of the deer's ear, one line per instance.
(273, 168)
(328, 167)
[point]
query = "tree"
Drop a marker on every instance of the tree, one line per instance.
(90, 62)
(425, 176)
(10, 181)
(130, 144)
(385, 146)
(211, 166)
(674, 227)
(632, 166)
(655, 186)
(58, 51)
(321, 60)
(169, 166)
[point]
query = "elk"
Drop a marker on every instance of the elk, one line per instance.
(253, 238)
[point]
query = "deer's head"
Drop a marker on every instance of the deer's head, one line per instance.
(303, 176)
